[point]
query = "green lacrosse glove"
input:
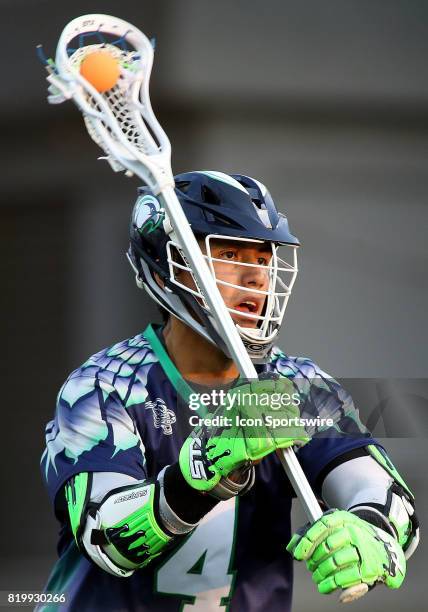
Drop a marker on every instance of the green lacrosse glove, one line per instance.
(257, 425)
(342, 550)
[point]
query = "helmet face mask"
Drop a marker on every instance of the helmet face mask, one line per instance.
(266, 307)
(221, 209)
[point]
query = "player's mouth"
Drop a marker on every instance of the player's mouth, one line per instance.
(249, 305)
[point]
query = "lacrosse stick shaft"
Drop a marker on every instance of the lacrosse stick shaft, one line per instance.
(300, 484)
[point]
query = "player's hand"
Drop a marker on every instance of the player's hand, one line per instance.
(342, 550)
(256, 426)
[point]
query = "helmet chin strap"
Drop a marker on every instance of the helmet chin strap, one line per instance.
(258, 347)
(256, 335)
(253, 332)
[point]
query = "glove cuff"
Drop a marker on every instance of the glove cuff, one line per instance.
(374, 517)
(170, 519)
(227, 488)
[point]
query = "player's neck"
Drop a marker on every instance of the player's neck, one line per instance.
(196, 359)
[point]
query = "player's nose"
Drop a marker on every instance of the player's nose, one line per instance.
(255, 276)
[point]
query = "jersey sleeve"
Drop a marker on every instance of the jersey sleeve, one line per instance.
(91, 432)
(321, 398)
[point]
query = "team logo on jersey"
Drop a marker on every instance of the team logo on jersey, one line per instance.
(197, 468)
(148, 214)
(163, 417)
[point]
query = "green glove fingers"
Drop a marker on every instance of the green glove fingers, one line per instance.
(337, 541)
(341, 579)
(320, 552)
(318, 540)
(343, 557)
(302, 546)
(259, 444)
(342, 550)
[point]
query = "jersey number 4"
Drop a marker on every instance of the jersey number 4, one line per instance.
(200, 570)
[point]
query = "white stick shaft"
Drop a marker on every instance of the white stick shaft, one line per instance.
(300, 484)
(231, 336)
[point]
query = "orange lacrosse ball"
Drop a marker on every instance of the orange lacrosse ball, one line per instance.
(101, 69)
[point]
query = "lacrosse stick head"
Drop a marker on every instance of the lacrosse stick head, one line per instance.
(120, 120)
(233, 210)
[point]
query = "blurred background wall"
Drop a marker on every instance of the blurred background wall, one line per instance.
(325, 102)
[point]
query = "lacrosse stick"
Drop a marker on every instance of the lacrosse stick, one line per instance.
(121, 121)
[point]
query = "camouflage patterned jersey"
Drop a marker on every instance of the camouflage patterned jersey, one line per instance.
(125, 410)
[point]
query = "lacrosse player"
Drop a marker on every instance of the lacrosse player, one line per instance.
(159, 515)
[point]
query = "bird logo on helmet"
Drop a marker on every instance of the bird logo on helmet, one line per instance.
(217, 206)
(148, 214)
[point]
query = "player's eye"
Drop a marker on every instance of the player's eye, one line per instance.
(262, 261)
(228, 254)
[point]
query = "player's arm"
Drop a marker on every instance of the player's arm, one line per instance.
(366, 483)
(122, 524)
(370, 530)
(136, 522)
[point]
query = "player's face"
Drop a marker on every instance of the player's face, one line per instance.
(245, 300)
(250, 278)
